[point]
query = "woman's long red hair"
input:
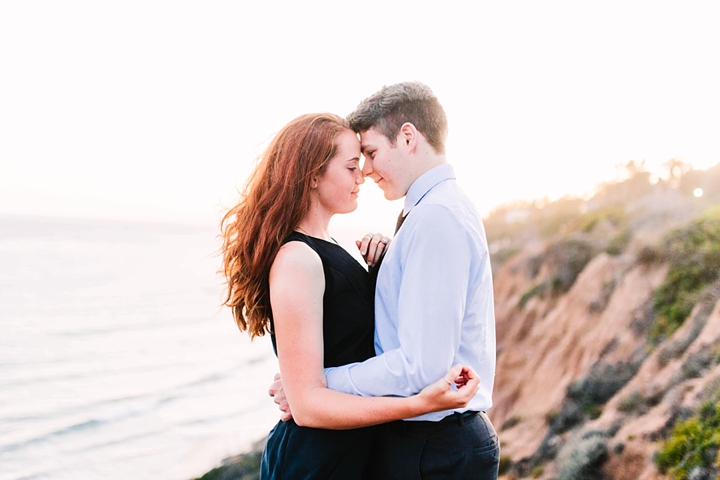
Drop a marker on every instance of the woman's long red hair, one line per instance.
(274, 200)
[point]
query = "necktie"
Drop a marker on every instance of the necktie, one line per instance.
(374, 269)
(400, 221)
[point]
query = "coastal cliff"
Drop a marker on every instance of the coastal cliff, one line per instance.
(608, 331)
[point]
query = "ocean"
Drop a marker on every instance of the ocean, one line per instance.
(116, 359)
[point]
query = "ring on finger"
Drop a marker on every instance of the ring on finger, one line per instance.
(383, 240)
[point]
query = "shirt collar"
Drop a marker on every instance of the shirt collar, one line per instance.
(426, 182)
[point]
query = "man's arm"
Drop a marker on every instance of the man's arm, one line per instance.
(433, 284)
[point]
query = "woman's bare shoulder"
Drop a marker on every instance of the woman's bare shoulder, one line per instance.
(296, 278)
(297, 257)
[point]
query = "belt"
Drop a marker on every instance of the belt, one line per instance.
(414, 425)
(459, 417)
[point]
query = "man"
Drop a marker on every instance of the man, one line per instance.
(433, 300)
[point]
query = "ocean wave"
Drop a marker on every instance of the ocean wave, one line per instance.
(134, 409)
(149, 324)
(135, 399)
(119, 441)
(209, 378)
(21, 381)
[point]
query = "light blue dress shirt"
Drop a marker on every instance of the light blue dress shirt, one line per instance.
(433, 300)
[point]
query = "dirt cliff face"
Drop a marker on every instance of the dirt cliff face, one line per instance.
(608, 329)
(583, 389)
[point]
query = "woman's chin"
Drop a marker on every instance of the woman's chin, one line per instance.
(352, 206)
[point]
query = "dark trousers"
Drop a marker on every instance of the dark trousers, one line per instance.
(458, 447)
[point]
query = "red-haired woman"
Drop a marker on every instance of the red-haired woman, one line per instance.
(287, 276)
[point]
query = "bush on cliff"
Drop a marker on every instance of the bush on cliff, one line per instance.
(584, 458)
(692, 451)
(245, 466)
(694, 256)
(585, 397)
(565, 259)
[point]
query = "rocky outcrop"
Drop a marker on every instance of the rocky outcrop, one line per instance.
(244, 466)
(592, 377)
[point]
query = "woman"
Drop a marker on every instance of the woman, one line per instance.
(288, 277)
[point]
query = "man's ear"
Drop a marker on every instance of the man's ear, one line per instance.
(408, 135)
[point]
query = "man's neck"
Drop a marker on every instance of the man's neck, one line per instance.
(426, 163)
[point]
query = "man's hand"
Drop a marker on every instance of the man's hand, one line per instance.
(276, 391)
(372, 247)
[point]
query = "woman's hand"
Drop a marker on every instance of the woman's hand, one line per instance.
(277, 393)
(372, 247)
(441, 396)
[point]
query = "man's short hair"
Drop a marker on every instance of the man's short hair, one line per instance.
(392, 106)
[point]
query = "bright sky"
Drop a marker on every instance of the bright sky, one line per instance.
(155, 110)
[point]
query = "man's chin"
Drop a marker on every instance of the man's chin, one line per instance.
(391, 195)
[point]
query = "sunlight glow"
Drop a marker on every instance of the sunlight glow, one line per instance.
(165, 124)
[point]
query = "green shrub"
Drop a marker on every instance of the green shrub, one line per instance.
(676, 348)
(568, 258)
(644, 317)
(538, 289)
(592, 410)
(505, 464)
(584, 460)
(565, 259)
(619, 242)
(693, 445)
(603, 381)
(503, 255)
(511, 422)
(570, 415)
(633, 402)
(694, 257)
(711, 391)
(700, 361)
(648, 255)
(533, 265)
(245, 466)
(588, 222)
(584, 397)
(599, 304)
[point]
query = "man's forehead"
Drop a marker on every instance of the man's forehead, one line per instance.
(369, 138)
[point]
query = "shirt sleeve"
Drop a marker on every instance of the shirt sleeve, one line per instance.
(436, 256)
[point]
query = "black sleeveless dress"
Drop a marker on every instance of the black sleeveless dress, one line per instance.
(293, 452)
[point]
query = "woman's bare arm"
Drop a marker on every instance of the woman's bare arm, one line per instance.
(297, 285)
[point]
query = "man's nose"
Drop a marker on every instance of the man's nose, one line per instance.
(367, 168)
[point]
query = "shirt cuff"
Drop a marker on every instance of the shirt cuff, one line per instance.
(338, 378)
